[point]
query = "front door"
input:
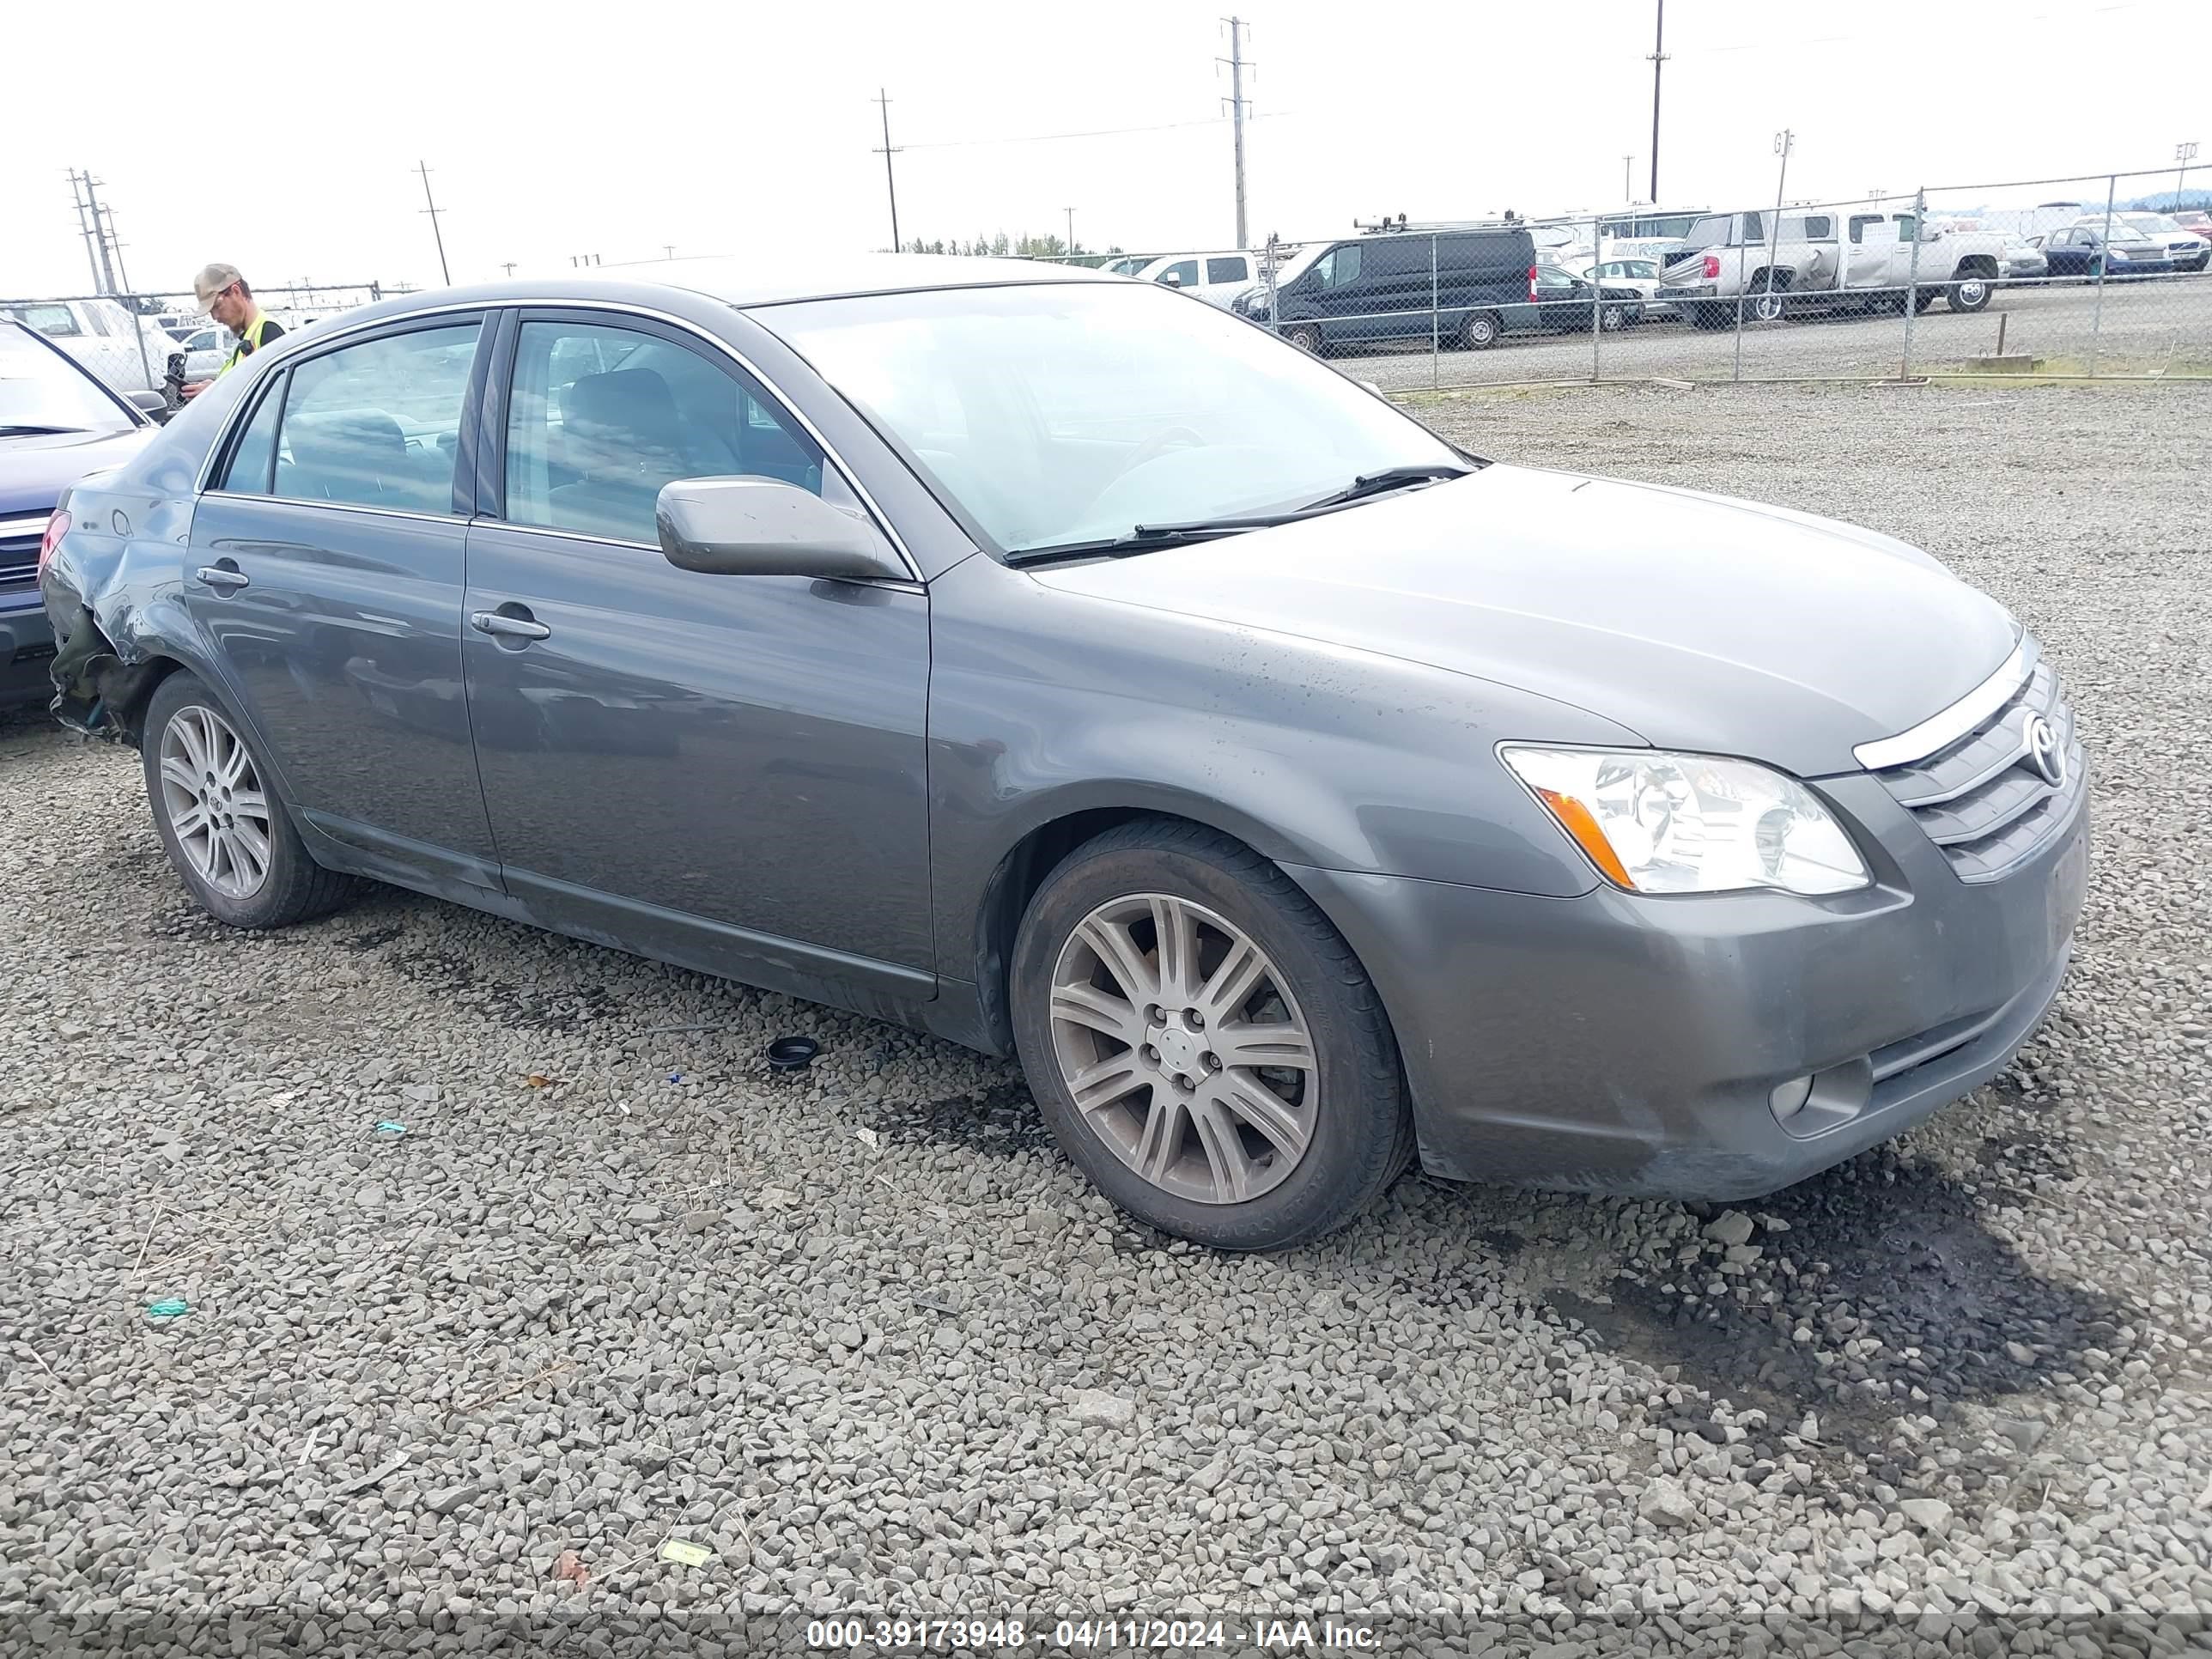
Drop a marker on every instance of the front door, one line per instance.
(725, 771)
(325, 572)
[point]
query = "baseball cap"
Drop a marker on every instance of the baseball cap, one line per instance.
(212, 280)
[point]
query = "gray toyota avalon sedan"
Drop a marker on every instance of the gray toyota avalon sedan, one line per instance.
(1070, 669)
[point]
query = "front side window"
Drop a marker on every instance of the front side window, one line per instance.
(1861, 221)
(1055, 412)
(1228, 270)
(1183, 272)
(601, 416)
(56, 322)
(377, 424)
(1339, 265)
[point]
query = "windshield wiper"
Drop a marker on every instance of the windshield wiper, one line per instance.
(38, 431)
(1391, 477)
(1145, 538)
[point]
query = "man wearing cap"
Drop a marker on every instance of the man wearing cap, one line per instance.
(223, 294)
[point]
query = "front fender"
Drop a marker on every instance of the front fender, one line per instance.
(1046, 702)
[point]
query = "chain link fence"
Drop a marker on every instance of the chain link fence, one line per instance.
(159, 342)
(2090, 277)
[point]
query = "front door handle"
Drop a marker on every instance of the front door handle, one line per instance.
(518, 628)
(229, 577)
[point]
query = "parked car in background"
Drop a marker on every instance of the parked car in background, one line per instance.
(2184, 249)
(2084, 251)
(205, 350)
(1826, 261)
(57, 422)
(1453, 285)
(1637, 276)
(2195, 220)
(1216, 278)
(1069, 671)
(2024, 261)
(130, 352)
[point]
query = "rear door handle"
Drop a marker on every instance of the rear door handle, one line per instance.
(519, 628)
(219, 576)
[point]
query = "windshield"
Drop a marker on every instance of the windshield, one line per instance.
(2156, 223)
(1294, 265)
(39, 387)
(1061, 412)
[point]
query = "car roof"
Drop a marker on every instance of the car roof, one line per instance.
(753, 281)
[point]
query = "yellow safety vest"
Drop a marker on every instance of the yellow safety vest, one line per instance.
(248, 344)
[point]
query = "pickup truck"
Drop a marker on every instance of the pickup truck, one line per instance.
(1827, 261)
(126, 350)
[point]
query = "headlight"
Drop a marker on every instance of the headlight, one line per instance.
(1659, 823)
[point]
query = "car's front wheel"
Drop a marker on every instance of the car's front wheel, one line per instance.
(219, 816)
(1203, 1044)
(1480, 332)
(1306, 336)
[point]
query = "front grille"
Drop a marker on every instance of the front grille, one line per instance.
(19, 562)
(1980, 799)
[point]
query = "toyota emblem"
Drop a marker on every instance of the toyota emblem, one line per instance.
(2044, 750)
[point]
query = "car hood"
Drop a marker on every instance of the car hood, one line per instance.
(35, 469)
(1698, 621)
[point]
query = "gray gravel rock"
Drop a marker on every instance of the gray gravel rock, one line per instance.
(1492, 1416)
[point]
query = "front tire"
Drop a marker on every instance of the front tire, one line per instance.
(1203, 1044)
(222, 819)
(1480, 332)
(1306, 336)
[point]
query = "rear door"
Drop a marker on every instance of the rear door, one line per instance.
(325, 571)
(724, 771)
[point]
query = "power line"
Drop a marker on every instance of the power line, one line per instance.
(1237, 104)
(890, 183)
(434, 210)
(1101, 132)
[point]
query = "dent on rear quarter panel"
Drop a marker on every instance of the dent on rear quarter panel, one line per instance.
(114, 591)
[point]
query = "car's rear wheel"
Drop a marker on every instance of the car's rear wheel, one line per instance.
(222, 818)
(1709, 316)
(1203, 1044)
(1480, 332)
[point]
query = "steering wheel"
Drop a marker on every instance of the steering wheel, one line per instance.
(1173, 437)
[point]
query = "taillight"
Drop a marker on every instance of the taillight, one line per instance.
(1712, 266)
(1532, 282)
(56, 527)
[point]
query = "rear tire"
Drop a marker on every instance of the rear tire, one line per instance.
(1709, 317)
(1969, 293)
(1264, 1153)
(225, 825)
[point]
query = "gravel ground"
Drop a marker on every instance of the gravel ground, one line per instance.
(868, 1343)
(2148, 328)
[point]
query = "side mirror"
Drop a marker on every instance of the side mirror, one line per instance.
(149, 403)
(1171, 280)
(752, 526)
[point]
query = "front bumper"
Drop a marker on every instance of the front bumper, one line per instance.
(27, 647)
(1626, 1044)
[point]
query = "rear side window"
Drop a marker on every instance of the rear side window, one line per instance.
(377, 424)
(1819, 227)
(1228, 270)
(256, 454)
(1711, 231)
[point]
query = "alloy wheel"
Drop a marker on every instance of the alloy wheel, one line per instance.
(215, 802)
(1183, 1049)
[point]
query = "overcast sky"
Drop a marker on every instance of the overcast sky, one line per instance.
(554, 129)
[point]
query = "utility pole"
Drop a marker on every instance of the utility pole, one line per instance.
(1627, 175)
(432, 211)
(1658, 60)
(2184, 154)
(668, 250)
(890, 183)
(1237, 102)
(107, 232)
(508, 267)
(84, 226)
(1071, 230)
(99, 233)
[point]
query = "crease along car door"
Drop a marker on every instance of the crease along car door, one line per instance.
(725, 771)
(325, 571)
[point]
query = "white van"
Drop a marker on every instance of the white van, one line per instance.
(1216, 278)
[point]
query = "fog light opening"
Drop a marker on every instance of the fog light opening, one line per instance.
(1789, 1098)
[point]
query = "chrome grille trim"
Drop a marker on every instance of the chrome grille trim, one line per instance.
(1941, 730)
